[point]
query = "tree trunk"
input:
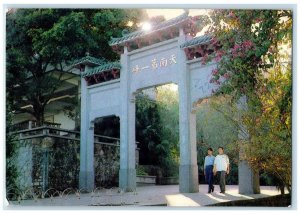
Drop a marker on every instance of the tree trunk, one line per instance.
(282, 189)
(39, 115)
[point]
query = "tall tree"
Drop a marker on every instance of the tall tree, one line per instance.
(253, 48)
(40, 41)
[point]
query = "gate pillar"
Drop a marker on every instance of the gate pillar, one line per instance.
(188, 169)
(86, 174)
(127, 173)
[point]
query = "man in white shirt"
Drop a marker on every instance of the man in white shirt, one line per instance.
(221, 167)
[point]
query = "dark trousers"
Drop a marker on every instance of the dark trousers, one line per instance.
(209, 176)
(221, 179)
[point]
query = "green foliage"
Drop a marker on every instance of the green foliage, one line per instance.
(215, 129)
(271, 141)
(141, 171)
(148, 130)
(157, 131)
(40, 41)
(247, 47)
(168, 108)
(253, 48)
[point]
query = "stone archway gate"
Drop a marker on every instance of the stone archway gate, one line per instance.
(169, 53)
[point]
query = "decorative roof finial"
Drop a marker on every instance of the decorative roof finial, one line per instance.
(187, 11)
(87, 53)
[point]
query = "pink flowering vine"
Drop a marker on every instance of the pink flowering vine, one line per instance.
(204, 59)
(215, 72)
(231, 14)
(239, 50)
(226, 75)
(219, 55)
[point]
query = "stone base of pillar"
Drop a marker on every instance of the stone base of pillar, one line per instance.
(248, 179)
(87, 180)
(188, 178)
(127, 179)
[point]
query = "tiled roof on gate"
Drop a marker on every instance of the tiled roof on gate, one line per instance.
(197, 41)
(104, 67)
(140, 33)
(89, 60)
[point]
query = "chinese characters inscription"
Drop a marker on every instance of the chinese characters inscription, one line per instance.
(156, 63)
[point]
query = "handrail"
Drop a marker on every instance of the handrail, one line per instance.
(28, 124)
(45, 127)
(103, 136)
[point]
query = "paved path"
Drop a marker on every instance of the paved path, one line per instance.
(147, 196)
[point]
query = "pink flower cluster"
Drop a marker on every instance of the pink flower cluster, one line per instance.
(258, 20)
(231, 14)
(219, 55)
(240, 50)
(215, 72)
(247, 44)
(236, 51)
(226, 75)
(215, 81)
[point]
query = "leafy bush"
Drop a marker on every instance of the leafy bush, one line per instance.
(141, 170)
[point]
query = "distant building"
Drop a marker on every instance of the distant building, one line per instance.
(54, 112)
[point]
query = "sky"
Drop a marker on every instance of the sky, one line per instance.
(171, 13)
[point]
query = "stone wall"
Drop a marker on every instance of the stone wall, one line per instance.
(106, 163)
